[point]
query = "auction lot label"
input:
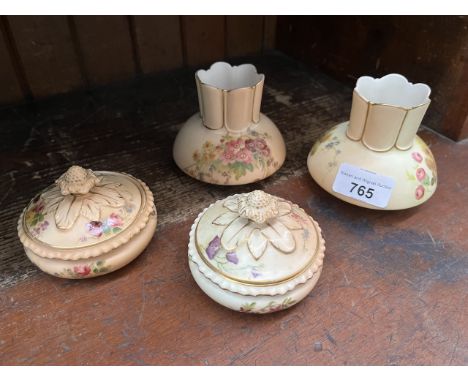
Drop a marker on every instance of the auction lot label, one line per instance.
(364, 185)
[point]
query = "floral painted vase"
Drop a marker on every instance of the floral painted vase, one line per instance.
(380, 139)
(88, 223)
(255, 252)
(229, 142)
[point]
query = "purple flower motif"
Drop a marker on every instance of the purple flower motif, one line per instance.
(232, 257)
(95, 228)
(213, 247)
(255, 274)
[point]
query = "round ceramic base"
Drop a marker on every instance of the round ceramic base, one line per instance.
(413, 170)
(229, 158)
(260, 304)
(100, 265)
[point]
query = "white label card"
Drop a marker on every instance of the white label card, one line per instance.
(364, 185)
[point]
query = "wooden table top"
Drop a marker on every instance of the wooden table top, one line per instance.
(394, 285)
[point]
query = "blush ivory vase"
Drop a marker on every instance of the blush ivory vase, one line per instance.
(380, 138)
(229, 142)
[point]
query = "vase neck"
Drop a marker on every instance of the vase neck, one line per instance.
(229, 96)
(380, 127)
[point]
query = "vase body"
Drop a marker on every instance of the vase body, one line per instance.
(381, 138)
(229, 142)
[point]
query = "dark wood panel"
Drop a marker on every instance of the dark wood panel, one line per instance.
(47, 53)
(159, 42)
(203, 39)
(455, 118)
(429, 49)
(244, 35)
(269, 32)
(106, 47)
(10, 90)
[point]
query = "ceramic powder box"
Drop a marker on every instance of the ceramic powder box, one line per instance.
(88, 223)
(255, 252)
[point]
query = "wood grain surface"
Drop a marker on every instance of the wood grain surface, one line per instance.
(394, 285)
(159, 42)
(106, 48)
(204, 39)
(42, 56)
(244, 35)
(11, 88)
(47, 53)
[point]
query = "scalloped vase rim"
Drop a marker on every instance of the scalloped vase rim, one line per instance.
(257, 78)
(404, 82)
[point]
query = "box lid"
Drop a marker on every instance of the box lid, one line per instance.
(85, 214)
(256, 243)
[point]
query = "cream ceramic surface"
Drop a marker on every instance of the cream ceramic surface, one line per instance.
(386, 112)
(256, 252)
(381, 137)
(88, 223)
(229, 142)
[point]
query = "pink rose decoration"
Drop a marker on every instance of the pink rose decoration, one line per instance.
(114, 220)
(244, 155)
(266, 151)
(236, 144)
(95, 228)
(250, 144)
(228, 156)
(419, 192)
(420, 173)
(39, 207)
(260, 143)
(82, 270)
(417, 157)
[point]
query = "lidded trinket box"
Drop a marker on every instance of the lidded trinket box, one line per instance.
(255, 252)
(376, 160)
(88, 223)
(229, 142)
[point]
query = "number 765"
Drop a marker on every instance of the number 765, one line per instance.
(362, 190)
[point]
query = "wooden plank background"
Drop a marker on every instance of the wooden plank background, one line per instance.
(41, 56)
(428, 49)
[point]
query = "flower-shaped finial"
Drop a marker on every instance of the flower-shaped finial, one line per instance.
(258, 206)
(77, 180)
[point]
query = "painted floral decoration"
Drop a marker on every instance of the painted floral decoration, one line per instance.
(417, 157)
(232, 157)
(228, 261)
(35, 217)
(332, 141)
(269, 308)
(422, 176)
(112, 224)
(68, 201)
(84, 270)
